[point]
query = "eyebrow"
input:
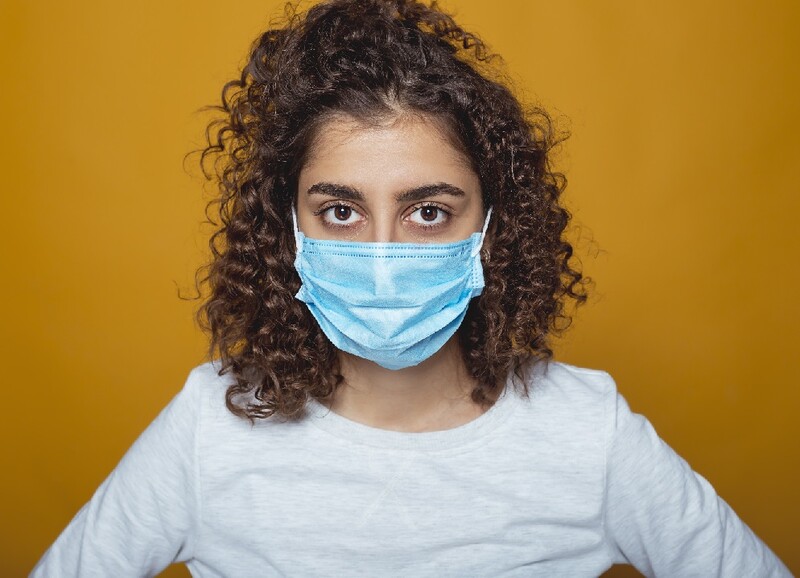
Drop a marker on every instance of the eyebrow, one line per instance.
(349, 193)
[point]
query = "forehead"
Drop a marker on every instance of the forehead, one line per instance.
(409, 137)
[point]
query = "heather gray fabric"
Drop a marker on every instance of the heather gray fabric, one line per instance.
(565, 483)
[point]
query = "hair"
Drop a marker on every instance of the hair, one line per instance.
(370, 59)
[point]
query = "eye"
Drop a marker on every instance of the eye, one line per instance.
(428, 216)
(340, 215)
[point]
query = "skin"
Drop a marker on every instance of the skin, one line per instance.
(400, 181)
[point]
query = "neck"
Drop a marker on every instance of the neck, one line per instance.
(431, 396)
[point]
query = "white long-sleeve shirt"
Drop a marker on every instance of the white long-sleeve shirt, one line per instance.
(566, 482)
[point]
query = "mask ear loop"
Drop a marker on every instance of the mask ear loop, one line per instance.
(298, 236)
(477, 248)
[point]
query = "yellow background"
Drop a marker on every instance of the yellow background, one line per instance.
(684, 177)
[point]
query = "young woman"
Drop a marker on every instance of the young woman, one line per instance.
(382, 400)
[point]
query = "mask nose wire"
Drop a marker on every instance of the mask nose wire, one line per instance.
(477, 248)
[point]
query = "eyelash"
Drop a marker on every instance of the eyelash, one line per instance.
(327, 207)
(436, 206)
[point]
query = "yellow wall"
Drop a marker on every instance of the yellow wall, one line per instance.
(683, 173)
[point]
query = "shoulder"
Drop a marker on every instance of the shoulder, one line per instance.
(205, 390)
(207, 376)
(567, 402)
(205, 382)
(560, 383)
(203, 394)
(562, 374)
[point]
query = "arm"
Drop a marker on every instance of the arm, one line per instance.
(666, 519)
(142, 516)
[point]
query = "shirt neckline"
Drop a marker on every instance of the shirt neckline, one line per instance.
(459, 436)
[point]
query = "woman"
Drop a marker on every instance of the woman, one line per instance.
(387, 274)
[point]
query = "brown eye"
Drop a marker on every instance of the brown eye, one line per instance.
(342, 213)
(341, 216)
(429, 213)
(428, 216)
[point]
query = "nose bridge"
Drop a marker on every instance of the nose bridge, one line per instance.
(385, 228)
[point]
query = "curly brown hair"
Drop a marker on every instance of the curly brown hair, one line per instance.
(362, 58)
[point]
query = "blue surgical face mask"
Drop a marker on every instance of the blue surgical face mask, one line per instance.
(393, 303)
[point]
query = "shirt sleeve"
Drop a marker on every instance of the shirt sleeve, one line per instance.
(668, 520)
(142, 516)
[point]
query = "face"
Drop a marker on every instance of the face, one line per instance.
(401, 182)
